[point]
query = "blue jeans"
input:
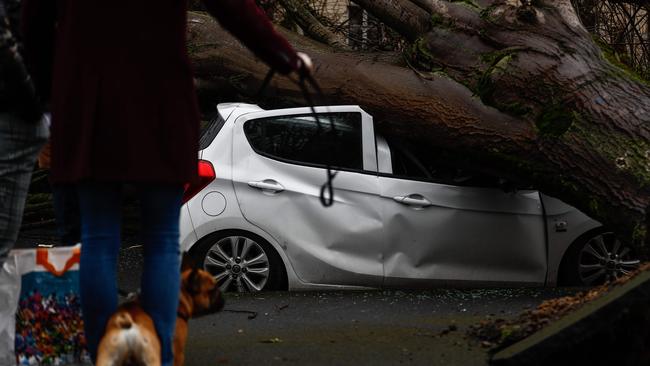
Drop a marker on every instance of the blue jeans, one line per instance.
(20, 143)
(100, 205)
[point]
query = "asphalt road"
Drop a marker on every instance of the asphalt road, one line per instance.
(347, 327)
(352, 328)
(378, 327)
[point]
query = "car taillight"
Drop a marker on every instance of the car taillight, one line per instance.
(206, 175)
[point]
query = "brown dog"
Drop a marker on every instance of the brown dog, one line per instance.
(130, 337)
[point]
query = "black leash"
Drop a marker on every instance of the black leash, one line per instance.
(265, 83)
(327, 189)
(123, 293)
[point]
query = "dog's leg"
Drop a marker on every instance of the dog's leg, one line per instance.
(108, 353)
(104, 360)
(105, 355)
(150, 348)
(180, 337)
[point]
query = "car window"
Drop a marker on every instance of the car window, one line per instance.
(430, 164)
(405, 164)
(210, 130)
(298, 138)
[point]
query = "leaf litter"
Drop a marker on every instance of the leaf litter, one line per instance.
(500, 333)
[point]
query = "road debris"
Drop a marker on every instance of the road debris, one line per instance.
(449, 329)
(500, 333)
(251, 314)
(271, 340)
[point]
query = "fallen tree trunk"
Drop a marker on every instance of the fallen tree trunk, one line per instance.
(519, 88)
(299, 12)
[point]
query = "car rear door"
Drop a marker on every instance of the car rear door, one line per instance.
(279, 162)
(449, 234)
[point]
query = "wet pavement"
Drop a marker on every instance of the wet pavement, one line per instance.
(377, 327)
(353, 328)
(345, 327)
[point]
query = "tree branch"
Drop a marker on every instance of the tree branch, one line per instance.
(311, 26)
(402, 15)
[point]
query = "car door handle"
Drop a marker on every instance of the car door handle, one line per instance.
(267, 185)
(414, 200)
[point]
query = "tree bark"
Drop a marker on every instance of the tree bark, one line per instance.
(310, 25)
(520, 88)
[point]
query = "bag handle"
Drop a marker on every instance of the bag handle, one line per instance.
(42, 258)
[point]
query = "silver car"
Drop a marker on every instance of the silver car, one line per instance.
(256, 222)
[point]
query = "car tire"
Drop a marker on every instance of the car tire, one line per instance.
(595, 258)
(241, 261)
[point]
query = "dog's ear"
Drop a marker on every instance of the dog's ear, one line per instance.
(187, 262)
(193, 282)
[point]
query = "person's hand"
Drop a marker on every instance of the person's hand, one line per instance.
(306, 66)
(47, 119)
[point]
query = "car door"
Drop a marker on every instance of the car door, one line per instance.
(279, 160)
(452, 234)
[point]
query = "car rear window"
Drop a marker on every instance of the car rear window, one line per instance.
(210, 130)
(298, 139)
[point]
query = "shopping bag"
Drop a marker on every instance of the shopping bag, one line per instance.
(49, 327)
(9, 292)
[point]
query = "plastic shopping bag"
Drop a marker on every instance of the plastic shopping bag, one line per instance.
(49, 327)
(9, 291)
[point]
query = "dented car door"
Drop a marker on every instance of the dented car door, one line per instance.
(441, 234)
(279, 160)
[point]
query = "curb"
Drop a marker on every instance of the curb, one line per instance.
(613, 329)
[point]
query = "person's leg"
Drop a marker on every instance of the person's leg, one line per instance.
(161, 273)
(66, 210)
(101, 209)
(20, 143)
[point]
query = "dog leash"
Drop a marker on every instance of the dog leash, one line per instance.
(327, 189)
(123, 293)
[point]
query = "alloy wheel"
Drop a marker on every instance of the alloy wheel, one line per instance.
(238, 264)
(605, 258)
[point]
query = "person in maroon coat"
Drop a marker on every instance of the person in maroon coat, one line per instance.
(124, 109)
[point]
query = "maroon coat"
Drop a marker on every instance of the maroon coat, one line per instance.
(123, 101)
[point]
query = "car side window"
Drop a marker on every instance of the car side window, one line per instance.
(298, 139)
(405, 164)
(420, 164)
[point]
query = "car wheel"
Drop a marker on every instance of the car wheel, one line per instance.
(242, 262)
(596, 258)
